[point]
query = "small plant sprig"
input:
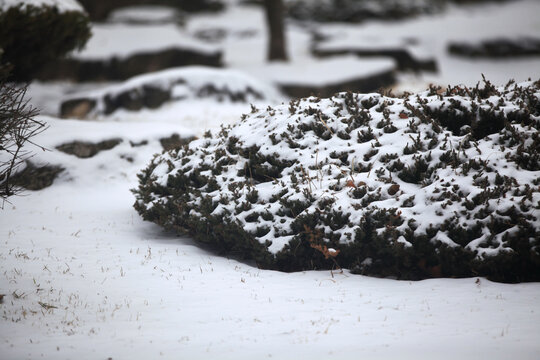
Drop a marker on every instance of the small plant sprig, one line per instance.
(313, 237)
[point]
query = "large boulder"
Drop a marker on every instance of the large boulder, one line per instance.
(427, 185)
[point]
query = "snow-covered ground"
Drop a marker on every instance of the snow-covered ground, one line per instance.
(84, 277)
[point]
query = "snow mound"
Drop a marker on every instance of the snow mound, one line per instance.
(426, 185)
(173, 85)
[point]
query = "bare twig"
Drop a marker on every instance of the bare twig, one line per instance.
(17, 126)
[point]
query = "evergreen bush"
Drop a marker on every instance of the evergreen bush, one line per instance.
(441, 183)
(31, 36)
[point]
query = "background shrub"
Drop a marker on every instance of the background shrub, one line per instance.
(32, 36)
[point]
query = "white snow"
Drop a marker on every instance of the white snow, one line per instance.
(61, 5)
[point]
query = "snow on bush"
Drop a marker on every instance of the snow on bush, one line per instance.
(35, 32)
(426, 185)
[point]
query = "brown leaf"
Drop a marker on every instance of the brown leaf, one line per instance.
(392, 190)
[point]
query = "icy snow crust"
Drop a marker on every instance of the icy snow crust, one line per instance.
(382, 179)
(61, 5)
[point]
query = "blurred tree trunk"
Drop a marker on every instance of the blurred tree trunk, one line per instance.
(274, 18)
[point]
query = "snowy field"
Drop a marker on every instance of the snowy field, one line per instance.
(84, 277)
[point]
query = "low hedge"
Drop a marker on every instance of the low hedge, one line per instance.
(441, 183)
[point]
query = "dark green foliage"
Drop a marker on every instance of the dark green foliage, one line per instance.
(415, 187)
(32, 36)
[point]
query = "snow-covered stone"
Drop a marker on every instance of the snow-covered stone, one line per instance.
(325, 77)
(173, 85)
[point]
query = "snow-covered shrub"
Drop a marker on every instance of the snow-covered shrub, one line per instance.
(433, 184)
(33, 33)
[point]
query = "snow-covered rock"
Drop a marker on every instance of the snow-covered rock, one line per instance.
(425, 185)
(497, 48)
(61, 5)
(337, 39)
(325, 77)
(173, 85)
